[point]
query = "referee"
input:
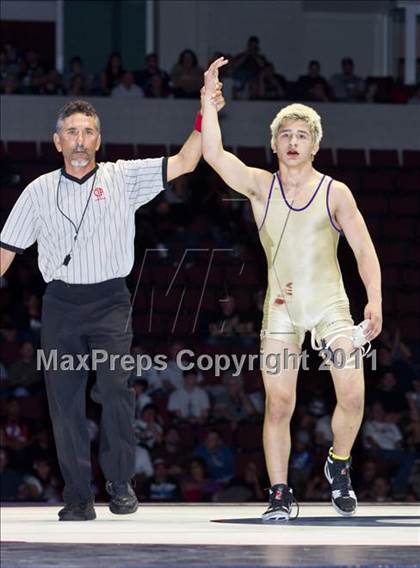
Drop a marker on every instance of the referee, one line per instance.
(83, 219)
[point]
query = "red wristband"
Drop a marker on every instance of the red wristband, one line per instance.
(197, 123)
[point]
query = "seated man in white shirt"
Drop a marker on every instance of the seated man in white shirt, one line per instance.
(127, 87)
(191, 402)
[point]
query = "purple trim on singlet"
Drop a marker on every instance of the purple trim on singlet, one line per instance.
(267, 205)
(309, 202)
(328, 209)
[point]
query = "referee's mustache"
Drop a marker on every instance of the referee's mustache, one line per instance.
(80, 150)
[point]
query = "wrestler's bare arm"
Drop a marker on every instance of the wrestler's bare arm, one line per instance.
(251, 182)
(349, 219)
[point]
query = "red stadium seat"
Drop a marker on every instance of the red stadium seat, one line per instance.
(257, 457)
(372, 204)
(253, 156)
(151, 150)
(411, 326)
(114, 152)
(8, 197)
(349, 158)
(377, 181)
(400, 228)
(408, 303)
(384, 158)
(391, 276)
(248, 436)
(324, 158)
(411, 277)
(411, 158)
(174, 149)
(50, 155)
(392, 253)
(22, 151)
(408, 181)
(241, 274)
(405, 205)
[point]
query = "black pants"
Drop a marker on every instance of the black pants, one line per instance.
(76, 319)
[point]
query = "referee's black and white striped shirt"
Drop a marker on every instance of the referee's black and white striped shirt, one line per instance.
(50, 209)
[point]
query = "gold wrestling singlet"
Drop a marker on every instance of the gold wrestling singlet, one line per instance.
(305, 287)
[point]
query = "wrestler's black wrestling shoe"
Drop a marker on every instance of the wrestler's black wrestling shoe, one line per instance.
(343, 498)
(281, 500)
(123, 499)
(77, 512)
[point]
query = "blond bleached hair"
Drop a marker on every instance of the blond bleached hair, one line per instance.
(297, 111)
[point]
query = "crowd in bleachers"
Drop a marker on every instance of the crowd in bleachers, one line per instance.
(248, 76)
(199, 434)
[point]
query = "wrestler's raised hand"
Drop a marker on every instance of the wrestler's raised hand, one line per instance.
(212, 85)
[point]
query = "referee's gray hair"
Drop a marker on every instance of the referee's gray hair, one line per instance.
(73, 107)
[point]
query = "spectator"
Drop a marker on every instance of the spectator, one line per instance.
(227, 322)
(28, 316)
(173, 377)
(127, 87)
(14, 433)
(347, 87)
(269, 85)
(187, 76)
(76, 70)
(12, 59)
(243, 487)
(381, 491)
(77, 86)
(379, 432)
(413, 400)
(389, 394)
(317, 489)
(196, 486)
(142, 399)
(31, 73)
(217, 456)
(152, 375)
(171, 451)
(10, 479)
(52, 84)
(368, 473)
(191, 402)
(112, 75)
(9, 344)
(23, 373)
(415, 99)
(143, 464)
(161, 488)
(42, 446)
(10, 85)
(313, 86)
(233, 404)
(148, 430)
(300, 463)
(153, 80)
(246, 67)
(43, 484)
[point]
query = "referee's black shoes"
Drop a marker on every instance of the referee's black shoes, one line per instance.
(77, 512)
(123, 499)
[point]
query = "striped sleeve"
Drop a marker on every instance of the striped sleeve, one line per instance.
(144, 179)
(21, 228)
